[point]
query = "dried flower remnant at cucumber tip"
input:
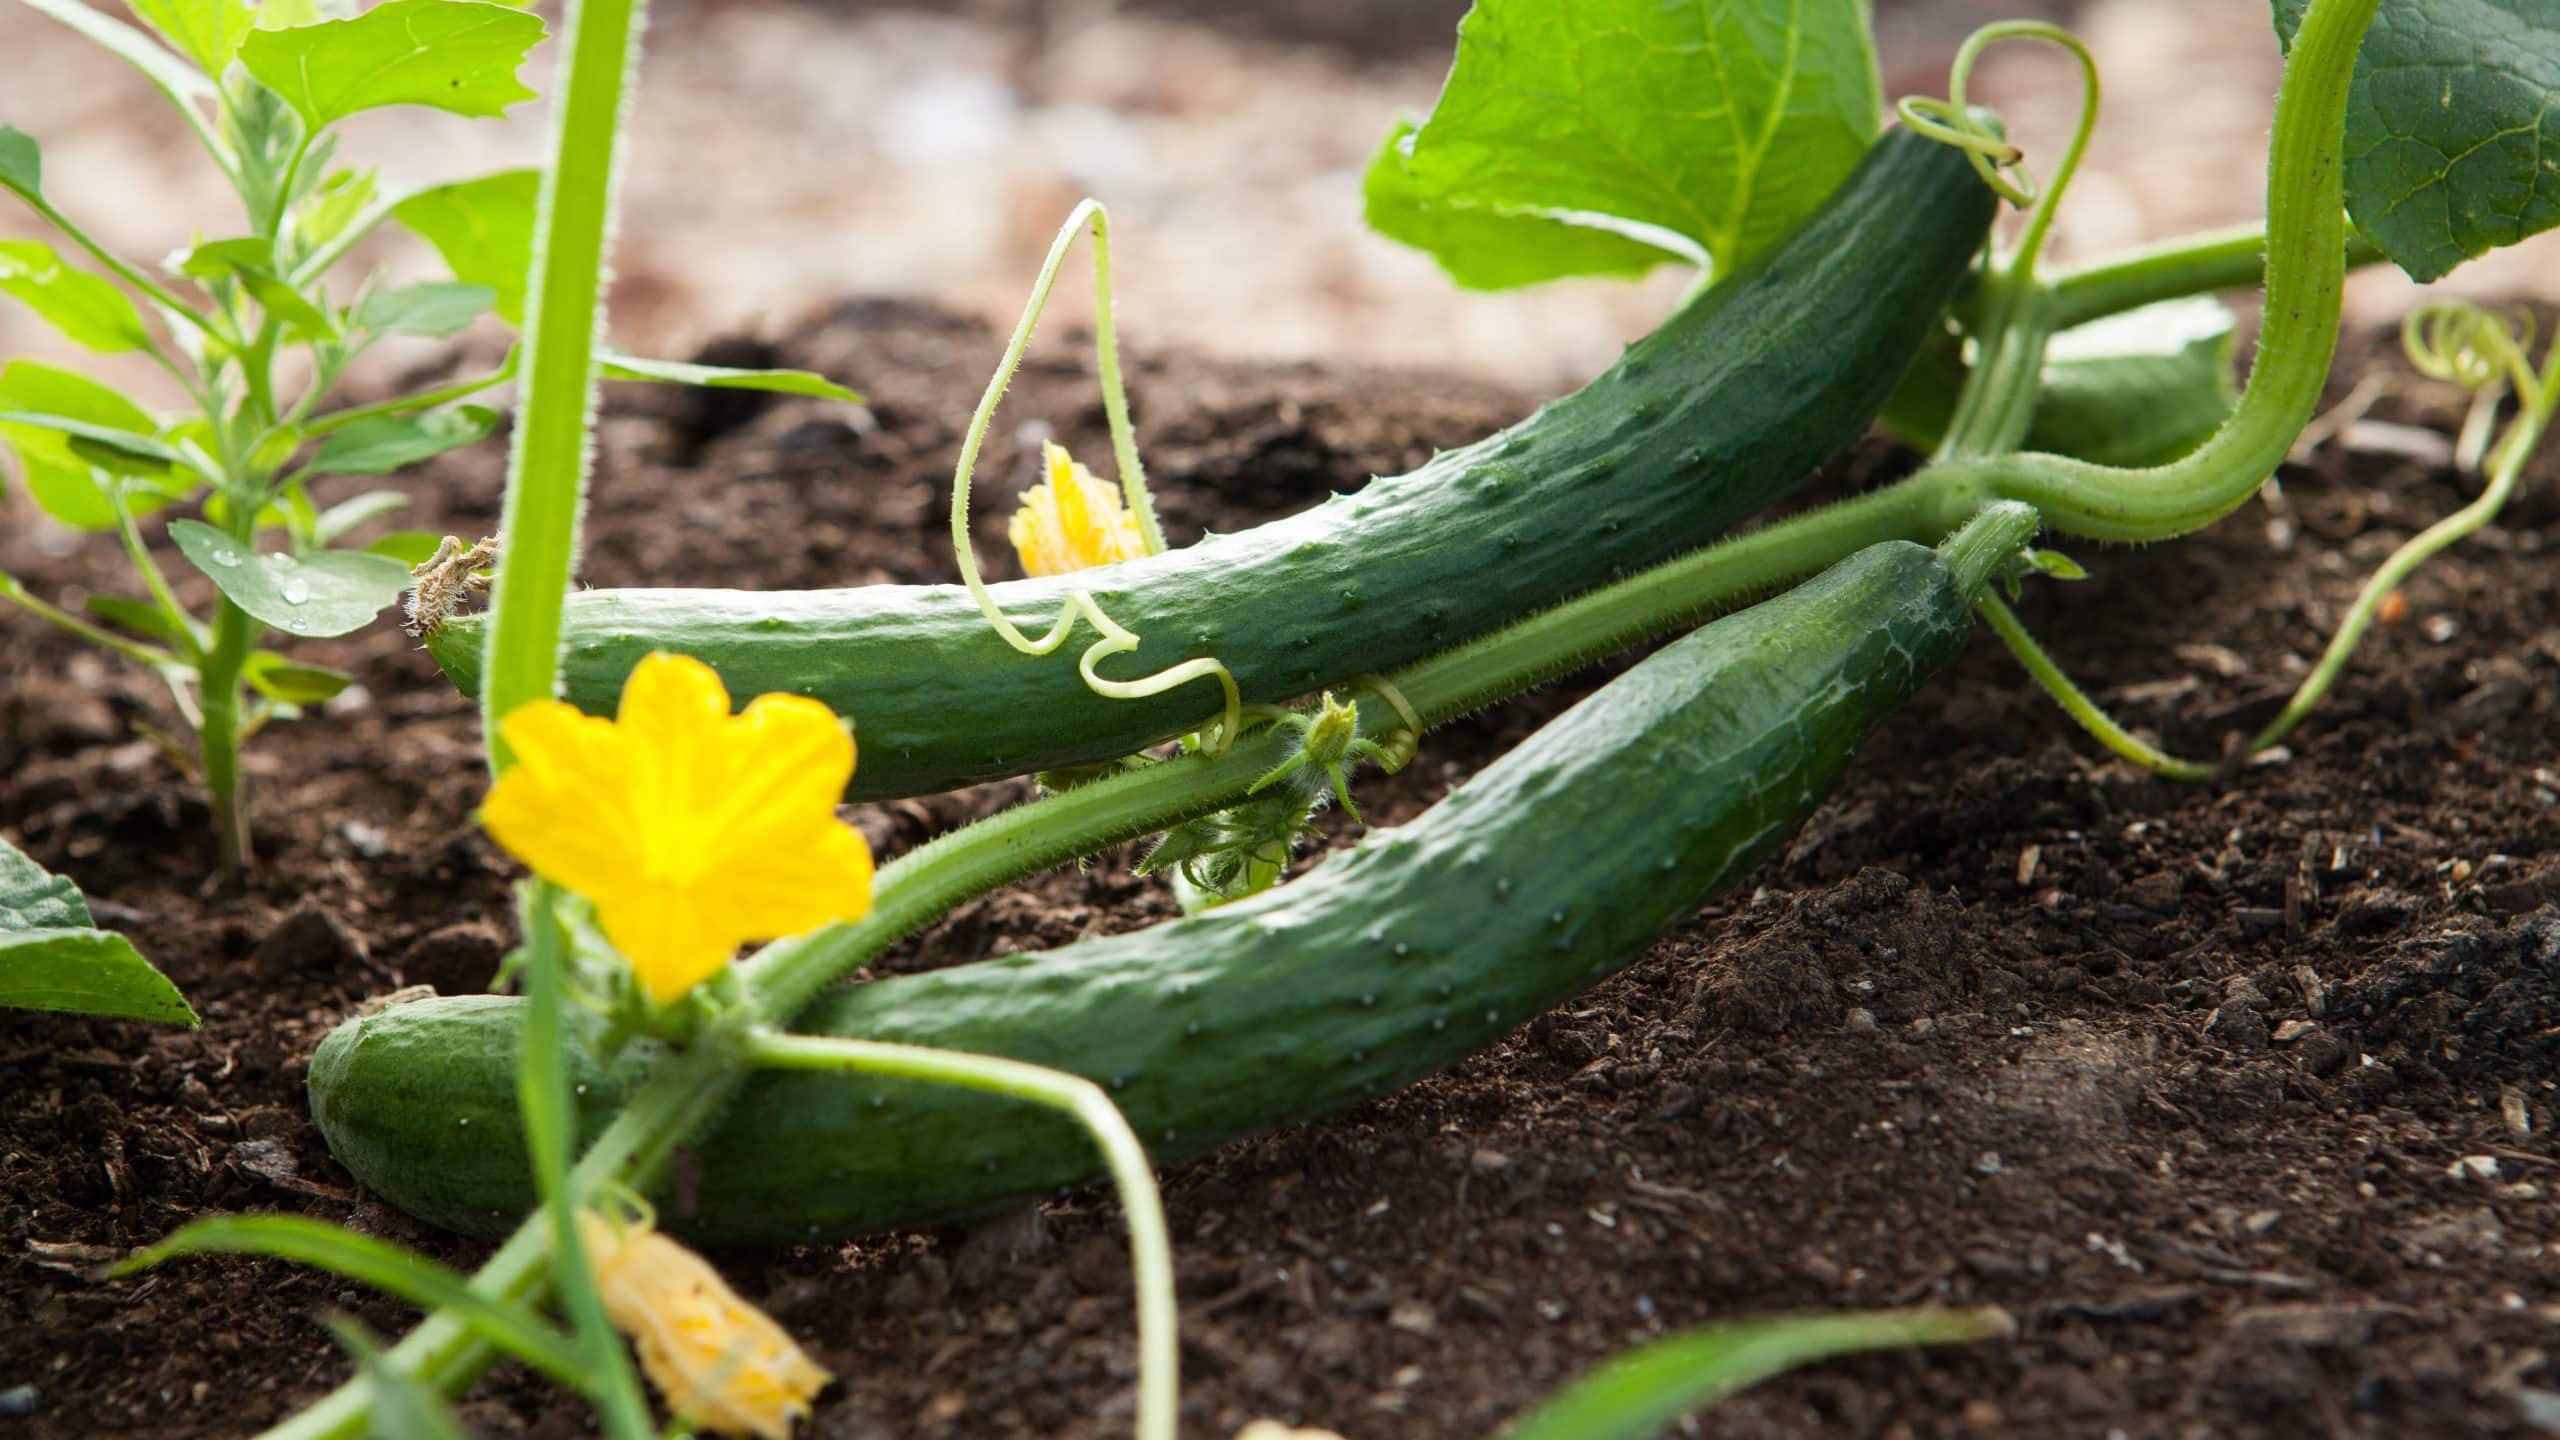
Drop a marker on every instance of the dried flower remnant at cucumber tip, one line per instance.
(439, 585)
(721, 1363)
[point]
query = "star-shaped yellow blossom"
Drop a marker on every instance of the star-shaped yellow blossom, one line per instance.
(722, 1363)
(692, 830)
(1072, 521)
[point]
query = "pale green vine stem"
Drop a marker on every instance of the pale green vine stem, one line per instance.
(2480, 357)
(1116, 639)
(1150, 1245)
(2076, 703)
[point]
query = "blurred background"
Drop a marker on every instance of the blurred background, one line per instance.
(789, 154)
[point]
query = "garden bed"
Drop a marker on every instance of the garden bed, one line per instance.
(2190, 1079)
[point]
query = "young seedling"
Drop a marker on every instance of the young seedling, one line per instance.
(257, 328)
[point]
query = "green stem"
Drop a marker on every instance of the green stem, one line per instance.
(550, 1128)
(2506, 472)
(337, 420)
(152, 578)
(2076, 702)
(16, 593)
(2233, 259)
(169, 303)
(1998, 404)
(1150, 1245)
(235, 634)
(546, 472)
(444, 1353)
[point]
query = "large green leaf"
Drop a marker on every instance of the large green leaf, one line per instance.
(1681, 127)
(457, 55)
(1489, 249)
(618, 366)
(331, 592)
(484, 230)
(1637, 1395)
(2453, 129)
(88, 309)
(205, 31)
(52, 956)
(389, 442)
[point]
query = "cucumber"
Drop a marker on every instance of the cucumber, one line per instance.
(1395, 958)
(1726, 408)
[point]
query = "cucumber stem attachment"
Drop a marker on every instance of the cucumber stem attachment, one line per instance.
(1150, 1245)
(1116, 639)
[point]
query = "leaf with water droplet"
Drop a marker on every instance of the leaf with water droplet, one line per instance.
(330, 592)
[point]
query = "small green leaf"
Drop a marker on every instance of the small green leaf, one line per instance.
(1483, 248)
(249, 262)
(484, 230)
(141, 618)
(411, 548)
(437, 310)
(278, 678)
(2054, 565)
(2453, 128)
(21, 162)
(52, 957)
(41, 408)
(457, 55)
(85, 307)
(1638, 1394)
(346, 515)
(333, 592)
(1698, 126)
(332, 206)
(618, 366)
(205, 31)
(390, 442)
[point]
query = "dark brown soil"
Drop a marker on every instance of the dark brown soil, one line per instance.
(2184, 1077)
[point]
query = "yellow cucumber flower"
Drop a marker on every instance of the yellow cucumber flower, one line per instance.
(692, 830)
(1274, 1430)
(1072, 521)
(721, 1363)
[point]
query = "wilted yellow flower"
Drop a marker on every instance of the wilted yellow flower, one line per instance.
(693, 830)
(720, 1362)
(1072, 521)
(1274, 1430)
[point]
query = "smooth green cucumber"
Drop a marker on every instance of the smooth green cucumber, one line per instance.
(1727, 407)
(1395, 958)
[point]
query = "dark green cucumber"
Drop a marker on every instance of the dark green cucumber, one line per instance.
(1730, 405)
(1395, 958)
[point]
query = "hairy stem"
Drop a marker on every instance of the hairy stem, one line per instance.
(546, 471)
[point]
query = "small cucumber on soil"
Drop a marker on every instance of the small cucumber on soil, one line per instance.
(1397, 957)
(1727, 407)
